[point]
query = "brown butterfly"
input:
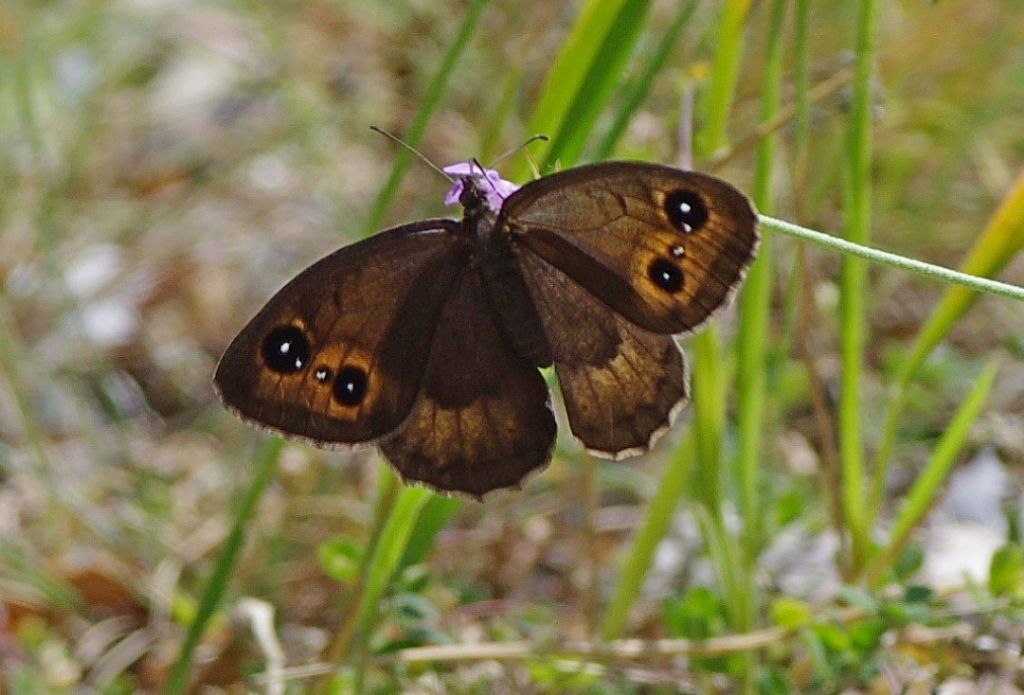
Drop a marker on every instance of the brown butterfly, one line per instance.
(427, 338)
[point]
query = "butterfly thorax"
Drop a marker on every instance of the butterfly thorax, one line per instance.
(479, 214)
(496, 259)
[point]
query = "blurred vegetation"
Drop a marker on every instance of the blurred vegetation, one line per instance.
(839, 509)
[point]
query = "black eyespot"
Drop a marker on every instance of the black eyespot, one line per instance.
(666, 275)
(686, 210)
(286, 350)
(323, 374)
(350, 386)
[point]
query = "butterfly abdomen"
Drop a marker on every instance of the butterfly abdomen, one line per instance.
(510, 299)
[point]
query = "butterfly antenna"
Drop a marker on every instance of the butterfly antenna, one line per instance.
(483, 174)
(412, 149)
(525, 147)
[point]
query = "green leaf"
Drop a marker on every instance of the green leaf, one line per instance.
(436, 513)
(1006, 572)
(698, 614)
(918, 593)
(790, 506)
(637, 562)
(339, 559)
(909, 561)
(412, 608)
(390, 548)
(640, 85)
(866, 635)
(833, 637)
(791, 613)
(999, 243)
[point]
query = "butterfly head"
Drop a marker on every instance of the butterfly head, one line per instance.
(476, 186)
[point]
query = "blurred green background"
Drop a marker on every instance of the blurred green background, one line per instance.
(166, 166)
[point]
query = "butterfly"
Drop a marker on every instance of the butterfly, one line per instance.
(427, 339)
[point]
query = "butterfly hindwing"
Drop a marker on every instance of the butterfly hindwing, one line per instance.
(483, 419)
(621, 384)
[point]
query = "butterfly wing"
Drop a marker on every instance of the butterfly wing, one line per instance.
(338, 355)
(622, 385)
(617, 257)
(483, 420)
(664, 248)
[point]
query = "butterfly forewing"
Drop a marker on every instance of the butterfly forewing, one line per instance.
(338, 355)
(617, 256)
(662, 247)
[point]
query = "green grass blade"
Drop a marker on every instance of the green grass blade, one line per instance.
(709, 416)
(388, 487)
(802, 88)
(437, 512)
(637, 562)
(926, 488)
(568, 72)
(216, 586)
(641, 84)
(1001, 241)
(709, 376)
(755, 305)
(492, 143)
(603, 75)
(708, 379)
(854, 288)
(389, 550)
(716, 104)
(432, 97)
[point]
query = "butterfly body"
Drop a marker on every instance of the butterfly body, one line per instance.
(426, 338)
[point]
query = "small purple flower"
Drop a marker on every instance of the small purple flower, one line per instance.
(495, 188)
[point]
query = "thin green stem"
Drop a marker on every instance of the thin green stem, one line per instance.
(853, 288)
(802, 83)
(709, 416)
(928, 270)
(752, 339)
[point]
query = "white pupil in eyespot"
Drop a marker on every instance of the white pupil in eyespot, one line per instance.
(686, 209)
(285, 348)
